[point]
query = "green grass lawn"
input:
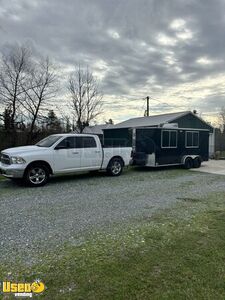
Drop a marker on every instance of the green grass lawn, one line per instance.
(177, 254)
(1, 177)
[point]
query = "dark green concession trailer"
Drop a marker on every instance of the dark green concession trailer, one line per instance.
(163, 140)
(156, 147)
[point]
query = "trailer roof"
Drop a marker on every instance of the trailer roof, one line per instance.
(149, 121)
(153, 120)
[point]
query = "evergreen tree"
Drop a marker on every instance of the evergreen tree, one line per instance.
(53, 123)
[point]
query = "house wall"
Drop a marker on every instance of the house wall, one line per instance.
(219, 140)
(212, 145)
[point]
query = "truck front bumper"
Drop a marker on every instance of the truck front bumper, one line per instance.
(12, 171)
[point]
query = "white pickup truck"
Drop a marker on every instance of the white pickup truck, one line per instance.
(62, 154)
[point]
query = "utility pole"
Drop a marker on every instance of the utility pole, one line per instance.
(147, 112)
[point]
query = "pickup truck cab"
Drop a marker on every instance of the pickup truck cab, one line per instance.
(62, 154)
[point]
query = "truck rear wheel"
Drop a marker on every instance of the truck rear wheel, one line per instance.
(36, 175)
(115, 167)
(188, 164)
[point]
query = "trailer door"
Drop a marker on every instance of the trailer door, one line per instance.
(168, 153)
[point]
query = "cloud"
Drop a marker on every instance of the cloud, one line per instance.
(170, 50)
(177, 24)
(166, 40)
(114, 34)
(205, 61)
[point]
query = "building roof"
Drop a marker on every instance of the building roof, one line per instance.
(142, 122)
(151, 120)
(97, 129)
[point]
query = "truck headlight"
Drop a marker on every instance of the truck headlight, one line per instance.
(17, 160)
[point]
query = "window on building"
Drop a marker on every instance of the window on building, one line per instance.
(165, 139)
(192, 139)
(173, 139)
(169, 139)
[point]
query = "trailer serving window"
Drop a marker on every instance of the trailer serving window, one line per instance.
(191, 139)
(169, 139)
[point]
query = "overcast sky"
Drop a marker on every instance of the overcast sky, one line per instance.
(171, 50)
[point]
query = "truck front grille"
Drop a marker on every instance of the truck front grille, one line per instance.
(4, 159)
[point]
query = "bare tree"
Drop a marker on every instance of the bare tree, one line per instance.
(39, 90)
(86, 98)
(14, 69)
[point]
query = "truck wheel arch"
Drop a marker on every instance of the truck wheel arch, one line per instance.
(115, 166)
(118, 157)
(39, 162)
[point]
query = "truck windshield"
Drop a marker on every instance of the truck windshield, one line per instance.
(48, 141)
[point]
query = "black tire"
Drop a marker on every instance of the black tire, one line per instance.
(36, 175)
(197, 162)
(115, 167)
(188, 164)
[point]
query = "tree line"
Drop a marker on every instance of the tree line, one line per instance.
(29, 87)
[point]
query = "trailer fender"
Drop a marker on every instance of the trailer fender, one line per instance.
(190, 156)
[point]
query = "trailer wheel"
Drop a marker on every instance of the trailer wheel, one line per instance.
(115, 167)
(188, 164)
(197, 162)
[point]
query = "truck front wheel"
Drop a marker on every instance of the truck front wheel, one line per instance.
(115, 167)
(36, 175)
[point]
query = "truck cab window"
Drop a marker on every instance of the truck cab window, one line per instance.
(89, 142)
(68, 143)
(85, 142)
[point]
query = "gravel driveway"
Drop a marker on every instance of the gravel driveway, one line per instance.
(37, 220)
(213, 166)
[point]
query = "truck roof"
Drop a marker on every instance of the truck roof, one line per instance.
(73, 134)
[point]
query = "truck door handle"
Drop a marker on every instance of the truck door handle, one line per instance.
(75, 152)
(97, 151)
